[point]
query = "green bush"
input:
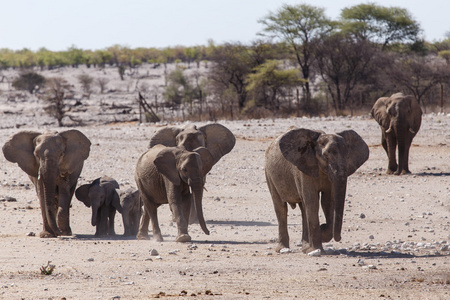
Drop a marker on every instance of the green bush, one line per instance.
(29, 81)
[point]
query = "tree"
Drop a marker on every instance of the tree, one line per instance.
(56, 87)
(28, 81)
(343, 63)
(102, 82)
(86, 83)
(379, 24)
(269, 82)
(298, 26)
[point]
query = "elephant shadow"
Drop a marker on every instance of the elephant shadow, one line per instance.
(93, 237)
(239, 223)
(444, 174)
(387, 255)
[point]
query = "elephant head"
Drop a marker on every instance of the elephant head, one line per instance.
(99, 194)
(218, 139)
(190, 167)
(336, 155)
(398, 113)
(52, 160)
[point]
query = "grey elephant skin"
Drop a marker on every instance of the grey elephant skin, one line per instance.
(168, 175)
(53, 161)
(131, 204)
(310, 168)
(102, 197)
(399, 117)
(218, 139)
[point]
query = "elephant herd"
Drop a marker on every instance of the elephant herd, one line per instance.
(303, 167)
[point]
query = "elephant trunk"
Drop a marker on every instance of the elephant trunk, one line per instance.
(49, 173)
(339, 190)
(94, 215)
(197, 192)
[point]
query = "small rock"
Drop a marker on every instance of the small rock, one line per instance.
(371, 237)
(285, 250)
(362, 216)
(31, 233)
(315, 253)
(154, 252)
(90, 259)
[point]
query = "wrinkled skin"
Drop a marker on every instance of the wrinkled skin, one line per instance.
(310, 168)
(218, 139)
(53, 161)
(131, 205)
(400, 118)
(102, 196)
(166, 175)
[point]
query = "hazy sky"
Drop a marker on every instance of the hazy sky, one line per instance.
(98, 24)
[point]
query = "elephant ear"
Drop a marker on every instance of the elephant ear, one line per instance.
(19, 148)
(298, 147)
(357, 150)
(219, 140)
(207, 159)
(416, 112)
(166, 164)
(116, 200)
(380, 114)
(77, 150)
(165, 136)
(82, 194)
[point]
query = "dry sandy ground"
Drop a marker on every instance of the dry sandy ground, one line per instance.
(395, 240)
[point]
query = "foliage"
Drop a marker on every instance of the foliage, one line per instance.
(379, 24)
(56, 87)
(299, 26)
(86, 83)
(28, 81)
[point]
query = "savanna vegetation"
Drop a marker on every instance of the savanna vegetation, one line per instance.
(302, 63)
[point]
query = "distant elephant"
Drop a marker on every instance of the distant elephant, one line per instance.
(102, 196)
(309, 168)
(53, 161)
(131, 205)
(172, 175)
(399, 117)
(218, 139)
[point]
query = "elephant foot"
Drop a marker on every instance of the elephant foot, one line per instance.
(405, 172)
(389, 172)
(280, 246)
(142, 236)
(66, 232)
(327, 235)
(158, 237)
(46, 234)
(183, 238)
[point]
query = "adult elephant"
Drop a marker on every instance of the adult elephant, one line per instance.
(53, 161)
(308, 167)
(168, 175)
(218, 139)
(102, 196)
(399, 117)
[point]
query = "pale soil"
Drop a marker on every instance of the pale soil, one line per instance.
(401, 225)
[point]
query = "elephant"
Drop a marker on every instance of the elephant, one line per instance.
(218, 139)
(306, 167)
(399, 117)
(131, 204)
(53, 162)
(175, 176)
(102, 196)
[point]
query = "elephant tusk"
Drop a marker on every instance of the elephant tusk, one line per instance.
(205, 188)
(389, 130)
(412, 131)
(190, 190)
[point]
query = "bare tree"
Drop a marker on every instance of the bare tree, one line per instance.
(56, 87)
(102, 82)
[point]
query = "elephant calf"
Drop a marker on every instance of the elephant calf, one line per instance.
(310, 168)
(131, 205)
(102, 196)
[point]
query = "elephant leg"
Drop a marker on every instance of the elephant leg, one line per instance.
(328, 210)
(305, 234)
(126, 223)
(403, 157)
(111, 216)
(143, 228)
(153, 214)
(391, 147)
(311, 205)
(180, 211)
(281, 210)
(63, 214)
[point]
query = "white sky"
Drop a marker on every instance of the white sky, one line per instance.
(98, 24)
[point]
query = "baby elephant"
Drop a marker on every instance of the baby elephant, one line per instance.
(102, 196)
(131, 205)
